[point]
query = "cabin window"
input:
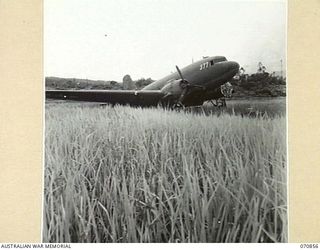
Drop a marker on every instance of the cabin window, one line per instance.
(211, 62)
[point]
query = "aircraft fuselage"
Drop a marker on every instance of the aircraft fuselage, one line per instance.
(210, 72)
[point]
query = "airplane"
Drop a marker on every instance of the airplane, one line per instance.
(204, 80)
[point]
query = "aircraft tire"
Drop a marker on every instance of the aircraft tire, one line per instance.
(178, 106)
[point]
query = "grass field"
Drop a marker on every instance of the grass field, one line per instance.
(150, 175)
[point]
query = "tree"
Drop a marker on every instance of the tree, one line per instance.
(128, 83)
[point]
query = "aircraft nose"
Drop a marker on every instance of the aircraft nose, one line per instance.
(230, 67)
(234, 66)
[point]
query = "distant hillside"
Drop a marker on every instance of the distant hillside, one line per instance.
(259, 84)
(75, 83)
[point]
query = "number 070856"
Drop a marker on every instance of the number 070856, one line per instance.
(308, 245)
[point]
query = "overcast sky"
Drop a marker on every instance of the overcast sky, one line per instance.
(105, 40)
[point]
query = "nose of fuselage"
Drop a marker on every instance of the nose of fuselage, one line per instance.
(228, 69)
(228, 66)
(225, 71)
(233, 67)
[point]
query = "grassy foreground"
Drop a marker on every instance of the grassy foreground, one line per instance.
(150, 175)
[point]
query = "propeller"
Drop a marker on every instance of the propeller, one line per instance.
(186, 83)
(187, 87)
(180, 73)
(183, 83)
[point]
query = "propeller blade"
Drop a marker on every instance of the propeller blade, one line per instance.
(180, 73)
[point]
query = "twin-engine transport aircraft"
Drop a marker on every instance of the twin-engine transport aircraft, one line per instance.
(204, 80)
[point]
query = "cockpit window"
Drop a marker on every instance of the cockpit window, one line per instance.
(220, 59)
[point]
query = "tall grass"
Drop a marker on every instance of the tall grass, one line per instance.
(150, 175)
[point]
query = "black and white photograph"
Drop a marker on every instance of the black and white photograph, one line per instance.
(165, 121)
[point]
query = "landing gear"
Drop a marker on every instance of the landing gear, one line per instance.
(220, 103)
(170, 102)
(178, 106)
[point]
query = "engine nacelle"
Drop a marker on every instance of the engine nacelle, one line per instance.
(173, 88)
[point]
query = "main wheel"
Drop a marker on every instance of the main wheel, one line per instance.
(178, 106)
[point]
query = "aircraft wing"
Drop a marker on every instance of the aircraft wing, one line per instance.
(123, 97)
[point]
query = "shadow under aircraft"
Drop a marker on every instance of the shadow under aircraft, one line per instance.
(204, 80)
